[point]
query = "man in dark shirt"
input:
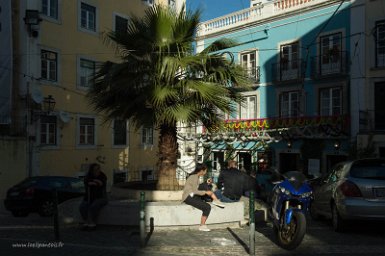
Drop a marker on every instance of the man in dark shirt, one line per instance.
(232, 183)
(95, 197)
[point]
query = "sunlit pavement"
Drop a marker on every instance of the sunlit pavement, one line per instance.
(33, 235)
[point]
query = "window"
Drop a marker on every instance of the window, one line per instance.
(86, 131)
(120, 24)
(331, 46)
(50, 8)
(120, 132)
(48, 65)
(147, 136)
(289, 56)
(380, 43)
(289, 104)
(48, 126)
(289, 67)
(330, 101)
(248, 109)
(86, 72)
(88, 17)
(248, 62)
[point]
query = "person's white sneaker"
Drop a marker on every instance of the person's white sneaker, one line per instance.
(218, 203)
(204, 228)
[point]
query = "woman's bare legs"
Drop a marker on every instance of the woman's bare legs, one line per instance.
(203, 220)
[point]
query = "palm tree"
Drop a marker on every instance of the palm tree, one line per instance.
(159, 81)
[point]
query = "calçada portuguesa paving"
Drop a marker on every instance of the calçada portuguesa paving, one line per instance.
(33, 232)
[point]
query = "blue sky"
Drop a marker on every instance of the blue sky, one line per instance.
(215, 8)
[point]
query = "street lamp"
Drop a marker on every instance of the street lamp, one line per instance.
(49, 104)
(337, 145)
(46, 107)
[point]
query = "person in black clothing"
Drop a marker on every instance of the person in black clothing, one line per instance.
(232, 183)
(95, 197)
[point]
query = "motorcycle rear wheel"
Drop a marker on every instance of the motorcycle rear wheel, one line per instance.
(290, 236)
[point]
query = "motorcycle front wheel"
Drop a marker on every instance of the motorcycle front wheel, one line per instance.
(290, 236)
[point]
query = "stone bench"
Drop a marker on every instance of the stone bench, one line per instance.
(161, 214)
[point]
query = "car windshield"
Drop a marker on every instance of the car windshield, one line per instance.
(369, 170)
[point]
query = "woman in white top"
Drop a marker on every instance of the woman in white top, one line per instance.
(192, 195)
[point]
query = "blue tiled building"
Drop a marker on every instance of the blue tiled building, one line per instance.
(297, 114)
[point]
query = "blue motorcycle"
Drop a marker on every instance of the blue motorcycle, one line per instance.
(290, 201)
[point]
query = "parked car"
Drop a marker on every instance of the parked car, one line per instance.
(36, 194)
(351, 190)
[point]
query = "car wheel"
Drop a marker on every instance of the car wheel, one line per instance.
(20, 213)
(47, 208)
(337, 221)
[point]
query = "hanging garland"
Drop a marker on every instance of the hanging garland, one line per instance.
(275, 123)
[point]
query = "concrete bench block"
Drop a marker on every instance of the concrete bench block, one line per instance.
(171, 213)
(159, 214)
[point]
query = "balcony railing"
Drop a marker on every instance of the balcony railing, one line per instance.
(254, 74)
(288, 71)
(329, 65)
(256, 13)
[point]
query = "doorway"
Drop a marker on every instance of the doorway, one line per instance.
(332, 160)
(289, 162)
(244, 161)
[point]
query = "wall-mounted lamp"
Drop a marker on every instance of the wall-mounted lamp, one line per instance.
(266, 30)
(49, 104)
(32, 18)
(289, 144)
(337, 145)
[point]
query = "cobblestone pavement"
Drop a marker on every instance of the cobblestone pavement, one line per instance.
(34, 231)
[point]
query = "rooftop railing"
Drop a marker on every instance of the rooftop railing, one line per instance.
(254, 14)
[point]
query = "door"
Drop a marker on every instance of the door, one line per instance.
(331, 54)
(323, 192)
(218, 164)
(289, 61)
(244, 160)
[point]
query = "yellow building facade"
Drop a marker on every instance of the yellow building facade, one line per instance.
(57, 46)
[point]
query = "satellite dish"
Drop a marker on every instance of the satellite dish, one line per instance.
(64, 116)
(37, 96)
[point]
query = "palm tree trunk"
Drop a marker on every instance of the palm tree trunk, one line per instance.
(167, 163)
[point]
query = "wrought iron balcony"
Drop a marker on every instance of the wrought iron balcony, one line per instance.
(288, 71)
(254, 74)
(330, 64)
